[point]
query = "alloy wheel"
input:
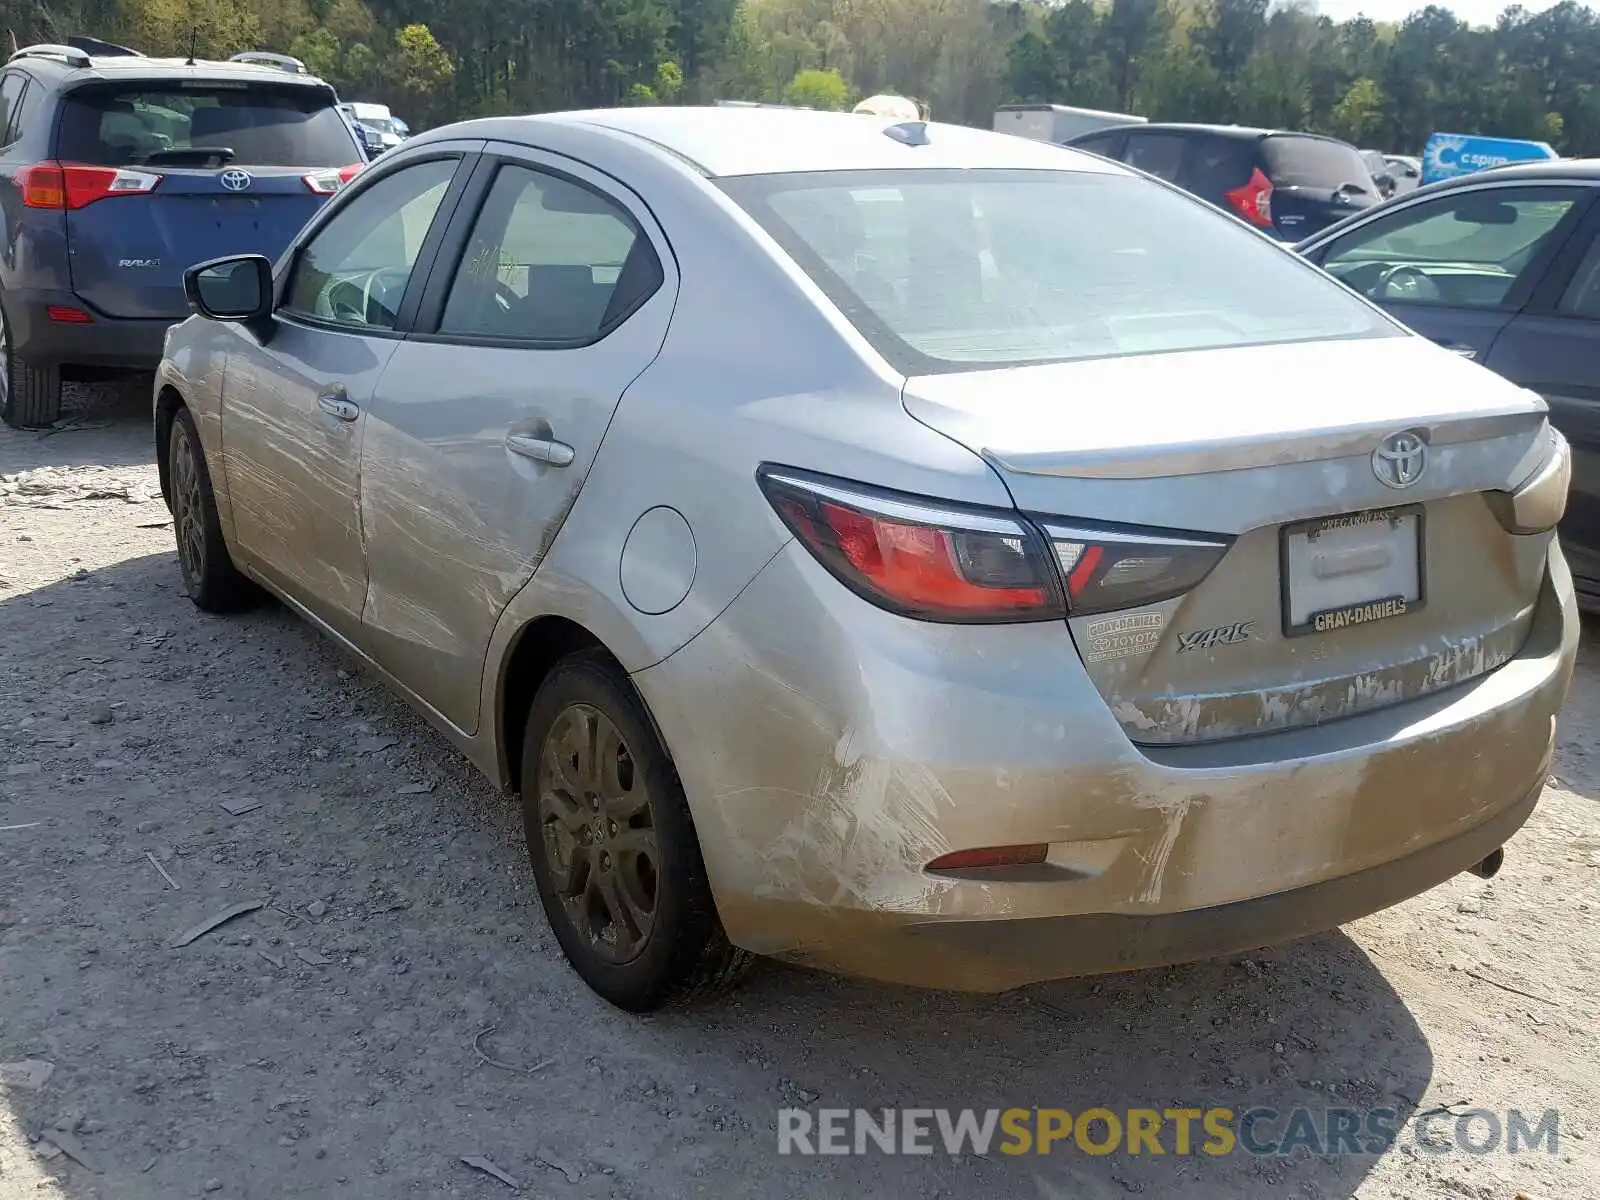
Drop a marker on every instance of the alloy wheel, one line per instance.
(598, 832)
(188, 512)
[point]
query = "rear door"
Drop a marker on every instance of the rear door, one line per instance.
(168, 173)
(1457, 267)
(1553, 347)
(1315, 182)
(552, 294)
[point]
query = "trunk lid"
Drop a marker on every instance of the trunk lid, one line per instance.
(1418, 587)
(1315, 183)
(215, 166)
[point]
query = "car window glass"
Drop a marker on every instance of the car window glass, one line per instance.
(549, 260)
(1218, 165)
(24, 112)
(1582, 297)
(263, 125)
(969, 269)
(1160, 154)
(1464, 250)
(355, 270)
(1295, 160)
(11, 86)
(1095, 145)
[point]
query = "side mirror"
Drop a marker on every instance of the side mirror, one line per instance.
(238, 288)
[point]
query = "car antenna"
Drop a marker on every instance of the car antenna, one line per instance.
(194, 44)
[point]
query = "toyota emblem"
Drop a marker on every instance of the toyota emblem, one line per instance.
(1400, 459)
(235, 180)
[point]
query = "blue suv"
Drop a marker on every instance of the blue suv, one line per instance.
(117, 171)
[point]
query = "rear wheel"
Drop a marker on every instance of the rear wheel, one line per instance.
(209, 576)
(614, 850)
(32, 394)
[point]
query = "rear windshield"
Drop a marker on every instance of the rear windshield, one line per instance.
(264, 126)
(959, 270)
(1313, 162)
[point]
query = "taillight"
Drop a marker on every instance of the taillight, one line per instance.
(72, 186)
(326, 183)
(1253, 201)
(1110, 567)
(917, 557)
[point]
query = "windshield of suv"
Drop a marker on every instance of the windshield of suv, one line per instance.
(263, 125)
(956, 270)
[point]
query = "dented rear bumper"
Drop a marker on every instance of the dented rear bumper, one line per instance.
(830, 750)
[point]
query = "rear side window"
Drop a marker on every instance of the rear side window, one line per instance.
(1159, 154)
(1103, 144)
(1218, 165)
(962, 270)
(11, 88)
(1313, 163)
(263, 126)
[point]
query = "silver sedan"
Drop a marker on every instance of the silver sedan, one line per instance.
(898, 548)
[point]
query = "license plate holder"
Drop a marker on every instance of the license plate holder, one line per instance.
(1352, 569)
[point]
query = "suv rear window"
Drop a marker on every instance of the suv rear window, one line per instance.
(966, 269)
(1313, 163)
(264, 126)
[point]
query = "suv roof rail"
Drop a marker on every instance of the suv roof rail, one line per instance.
(90, 45)
(265, 58)
(70, 55)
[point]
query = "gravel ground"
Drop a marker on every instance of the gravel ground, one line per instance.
(158, 766)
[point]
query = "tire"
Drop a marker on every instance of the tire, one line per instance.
(634, 850)
(32, 393)
(209, 576)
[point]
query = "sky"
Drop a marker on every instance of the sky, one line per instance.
(1474, 12)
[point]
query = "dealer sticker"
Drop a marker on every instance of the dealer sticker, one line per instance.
(1122, 637)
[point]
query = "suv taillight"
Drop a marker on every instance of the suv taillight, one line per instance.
(72, 185)
(326, 183)
(1253, 201)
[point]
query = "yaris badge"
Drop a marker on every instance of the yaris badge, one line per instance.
(234, 181)
(1400, 459)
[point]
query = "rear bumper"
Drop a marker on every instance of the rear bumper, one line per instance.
(830, 751)
(102, 342)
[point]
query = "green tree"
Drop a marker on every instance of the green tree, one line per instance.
(818, 89)
(1358, 118)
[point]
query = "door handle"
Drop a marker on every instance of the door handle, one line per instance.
(542, 450)
(335, 403)
(1457, 348)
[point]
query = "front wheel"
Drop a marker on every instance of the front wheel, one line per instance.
(613, 847)
(209, 576)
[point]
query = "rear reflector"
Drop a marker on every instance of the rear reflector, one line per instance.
(73, 186)
(919, 558)
(326, 183)
(68, 316)
(993, 856)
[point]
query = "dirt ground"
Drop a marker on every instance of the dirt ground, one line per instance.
(324, 1044)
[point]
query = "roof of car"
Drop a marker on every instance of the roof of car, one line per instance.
(1559, 169)
(113, 66)
(1242, 132)
(722, 141)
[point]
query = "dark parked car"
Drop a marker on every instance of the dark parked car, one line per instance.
(1503, 267)
(1286, 184)
(117, 172)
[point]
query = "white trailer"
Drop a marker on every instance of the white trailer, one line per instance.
(1056, 122)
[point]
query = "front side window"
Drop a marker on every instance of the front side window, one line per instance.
(355, 269)
(1582, 297)
(1465, 250)
(550, 261)
(962, 270)
(256, 125)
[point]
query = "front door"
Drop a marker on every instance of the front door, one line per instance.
(293, 406)
(489, 415)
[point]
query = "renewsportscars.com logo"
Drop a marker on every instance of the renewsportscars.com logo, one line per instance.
(1213, 1131)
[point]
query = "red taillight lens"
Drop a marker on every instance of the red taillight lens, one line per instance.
(1253, 201)
(66, 315)
(326, 183)
(1109, 567)
(918, 557)
(72, 186)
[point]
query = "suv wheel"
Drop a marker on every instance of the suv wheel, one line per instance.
(209, 576)
(32, 394)
(614, 850)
